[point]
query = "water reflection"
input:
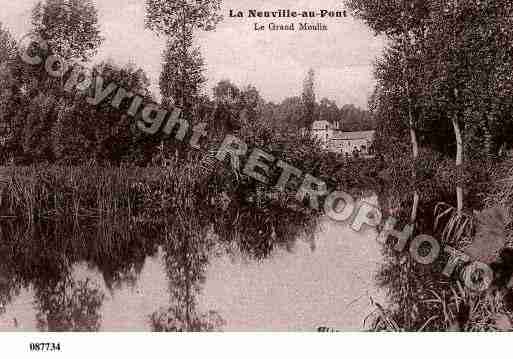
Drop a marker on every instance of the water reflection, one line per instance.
(68, 305)
(186, 256)
(40, 258)
(186, 274)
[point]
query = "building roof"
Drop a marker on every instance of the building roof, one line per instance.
(355, 135)
(320, 125)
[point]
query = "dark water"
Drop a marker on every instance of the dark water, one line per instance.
(57, 277)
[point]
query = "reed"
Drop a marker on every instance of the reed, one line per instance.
(37, 192)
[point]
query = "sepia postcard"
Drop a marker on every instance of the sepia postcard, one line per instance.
(255, 166)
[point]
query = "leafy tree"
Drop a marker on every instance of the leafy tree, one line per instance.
(328, 111)
(9, 86)
(103, 132)
(308, 100)
(183, 65)
(182, 73)
(404, 24)
(251, 102)
(174, 18)
(37, 125)
(391, 17)
(70, 27)
(72, 31)
(7, 45)
(227, 98)
(443, 75)
(466, 80)
(235, 108)
(288, 113)
(352, 118)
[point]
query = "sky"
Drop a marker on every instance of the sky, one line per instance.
(275, 62)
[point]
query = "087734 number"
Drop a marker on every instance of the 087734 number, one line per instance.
(45, 347)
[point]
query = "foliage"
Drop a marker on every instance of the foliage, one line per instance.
(501, 194)
(70, 27)
(40, 109)
(308, 100)
(69, 306)
(181, 77)
(454, 54)
(173, 320)
(8, 46)
(170, 17)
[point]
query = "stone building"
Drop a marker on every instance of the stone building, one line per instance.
(335, 140)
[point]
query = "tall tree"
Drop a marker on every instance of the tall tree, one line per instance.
(407, 49)
(182, 73)
(465, 82)
(177, 20)
(182, 76)
(9, 85)
(402, 21)
(308, 100)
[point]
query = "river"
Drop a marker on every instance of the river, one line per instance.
(302, 288)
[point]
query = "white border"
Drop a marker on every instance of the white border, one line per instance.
(260, 345)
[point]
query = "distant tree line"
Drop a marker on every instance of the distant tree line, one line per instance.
(41, 122)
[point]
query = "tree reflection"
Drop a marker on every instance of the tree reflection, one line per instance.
(62, 303)
(174, 319)
(9, 286)
(120, 257)
(14, 264)
(186, 257)
(42, 256)
(69, 306)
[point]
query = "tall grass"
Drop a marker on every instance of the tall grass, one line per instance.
(420, 297)
(37, 192)
(241, 210)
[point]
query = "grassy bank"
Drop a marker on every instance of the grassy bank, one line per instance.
(239, 209)
(37, 192)
(421, 297)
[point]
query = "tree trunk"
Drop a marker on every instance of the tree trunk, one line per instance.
(415, 147)
(413, 135)
(187, 285)
(184, 53)
(487, 136)
(457, 133)
(459, 161)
